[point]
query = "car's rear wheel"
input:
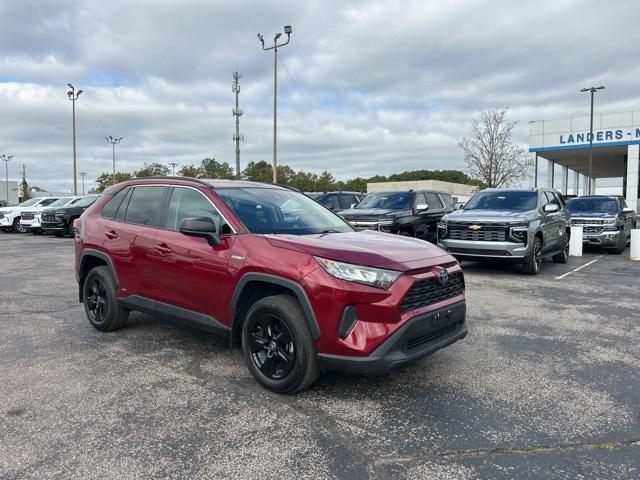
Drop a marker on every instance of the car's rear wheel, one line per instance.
(101, 305)
(563, 256)
(533, 263)
(277, 345)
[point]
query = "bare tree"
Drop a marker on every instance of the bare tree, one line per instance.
(490, 154)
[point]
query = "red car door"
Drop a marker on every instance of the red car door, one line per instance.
(188, 272)
(129, 238)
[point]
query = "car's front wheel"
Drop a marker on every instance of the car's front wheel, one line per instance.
(563, 256)
(277, 345)
(533, 262)
(101, 305)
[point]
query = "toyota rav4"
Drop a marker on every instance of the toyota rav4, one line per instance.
(267, 267)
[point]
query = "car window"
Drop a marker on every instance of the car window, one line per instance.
(558, 199)
(189, 203)
(62, 201)
(521, 200)
(122, 208)
(623, 202)
(85, 202)
(550, 198)
(448, 200)
(433, 201)
(592, 205)
(421, 199)
(47, 201)
(388, 200)
(111, 207)
(331, 202)
(143, 208)
(347, 200)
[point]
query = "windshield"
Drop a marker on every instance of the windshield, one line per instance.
(29, 202)
(85, 202)
(503, 200)
(61, 201)
(593, 205)
(267, 210)
(388, 201)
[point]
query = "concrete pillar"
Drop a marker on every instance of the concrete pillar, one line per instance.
(550, 172)
(593, 186)
(585, 185)
(565, 180)
(576, 182)
(534, 156)
(633, 174)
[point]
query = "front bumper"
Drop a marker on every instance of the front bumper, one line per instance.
(481, 249)
(6, 222)
(605, 238)
(53, 227)
(419, 337)
(31, 224)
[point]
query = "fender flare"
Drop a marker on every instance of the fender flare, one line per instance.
(298, 291)
(90, 252)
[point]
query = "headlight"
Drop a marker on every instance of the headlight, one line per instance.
(518, 232)
(443, 230)
(375, 277)
(385, 225)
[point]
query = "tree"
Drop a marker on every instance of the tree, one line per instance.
(24, 188)
(325, 182)
(105, 180)
(489, 152)
(211, 168)
(152, 170)
(190, 171)
(304, 181)
(258, 171)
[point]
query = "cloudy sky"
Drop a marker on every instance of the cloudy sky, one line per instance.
(365, 87)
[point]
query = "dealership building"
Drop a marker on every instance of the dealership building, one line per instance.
(563, 144)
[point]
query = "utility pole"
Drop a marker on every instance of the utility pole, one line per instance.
(83, 174)
(593, 91)
(73, 96)
(173, 166)
(274, 47)
(6, 160)
(237, 112)
(113, 141)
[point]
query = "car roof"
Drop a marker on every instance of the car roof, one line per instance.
(215, 183)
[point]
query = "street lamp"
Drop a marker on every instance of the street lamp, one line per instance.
(173, 166)
(73, 96)
(83, 174)
(593, 91)
(274, 47)
(113, 141)
(6, 160)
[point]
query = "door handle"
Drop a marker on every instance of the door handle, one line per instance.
(163, 248)
(111, 234)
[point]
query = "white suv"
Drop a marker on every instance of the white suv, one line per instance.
(10, 216)
(31, 218)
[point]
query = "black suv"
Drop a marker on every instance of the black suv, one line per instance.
(336, 201)
(59, 221)
(410, 213)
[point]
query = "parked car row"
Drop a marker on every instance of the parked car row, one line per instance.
(54, 215)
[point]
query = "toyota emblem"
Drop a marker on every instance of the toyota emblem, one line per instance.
(443, 277)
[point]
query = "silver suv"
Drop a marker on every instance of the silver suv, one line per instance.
(523, 226)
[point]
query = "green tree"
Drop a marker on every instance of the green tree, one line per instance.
(190, 171)
(304, 181)
(24, 189)
(152, 170)
(357, 184)
(285, 175)
(258, 172)
(325, 182)
(211, 168)
(105, 180)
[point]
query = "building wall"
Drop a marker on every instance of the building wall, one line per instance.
(14, 192)
(459, 190)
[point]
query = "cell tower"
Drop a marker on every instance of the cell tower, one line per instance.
(237, 112)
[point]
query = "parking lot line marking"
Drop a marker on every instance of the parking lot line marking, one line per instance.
(576, 269)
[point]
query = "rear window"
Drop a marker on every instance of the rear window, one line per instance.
(111, 207)
(143, 208)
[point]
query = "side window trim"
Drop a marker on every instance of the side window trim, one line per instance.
(167, 200)
(124, 204)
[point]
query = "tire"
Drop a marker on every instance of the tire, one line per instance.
(101, 305)
(58, 234)
(17, 228)
(533, 263)
(622, 244)
(563, 256)
(278, 348)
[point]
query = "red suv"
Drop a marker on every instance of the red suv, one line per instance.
(267, 267)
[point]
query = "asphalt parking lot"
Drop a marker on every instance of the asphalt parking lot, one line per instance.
(546, 385)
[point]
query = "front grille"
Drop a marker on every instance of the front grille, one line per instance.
(48, 217)
(488, 232)
(589, 221)
(422, 339)
(592, 229)
(27, 216)
(428, 292)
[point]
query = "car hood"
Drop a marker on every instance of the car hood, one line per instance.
(371, 248)
(10, 209)
(489, 216)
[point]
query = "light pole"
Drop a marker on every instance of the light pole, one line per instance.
(113, 141)
(274, 47)
(593, 91)
(6, 160)
(83, 174)
(173, 166)
(73, 96)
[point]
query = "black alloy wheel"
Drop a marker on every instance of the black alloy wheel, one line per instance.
(272, 347)
(96, 300)
(533, 263)
(563, 256)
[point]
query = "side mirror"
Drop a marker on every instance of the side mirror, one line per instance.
(550, 208)
(203, 227)
(627, 210)
(421, 207)
(353, 205)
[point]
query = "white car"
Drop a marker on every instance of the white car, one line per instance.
(31, 218)
(10, 216)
